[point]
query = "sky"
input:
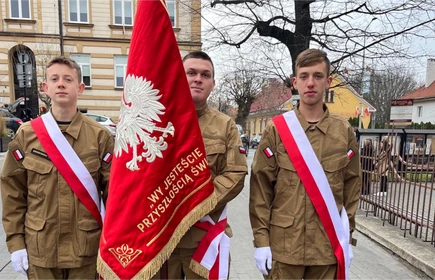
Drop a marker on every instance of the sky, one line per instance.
(226, 58)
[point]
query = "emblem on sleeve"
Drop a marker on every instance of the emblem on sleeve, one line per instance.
(18, 155)
(107, 158)
(350, 154)
(242, 150)
(268, 152)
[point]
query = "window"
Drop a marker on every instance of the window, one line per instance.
(170, 4)
(120, 70)
(329, 96)
(255, 126)
(84, 60)
(20, 9)
(420, 111)
(78, 11)
(123, 11)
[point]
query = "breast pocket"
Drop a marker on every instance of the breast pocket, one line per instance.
(216, 157)
(334, 169)
(288, 178)
(38, 171)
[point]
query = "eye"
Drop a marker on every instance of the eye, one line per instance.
(190, 73)
(206, 75)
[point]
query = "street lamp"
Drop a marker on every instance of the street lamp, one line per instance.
(362, 73)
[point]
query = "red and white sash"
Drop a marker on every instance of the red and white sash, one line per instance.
(318, 189)
(213, 252)
(66, 160)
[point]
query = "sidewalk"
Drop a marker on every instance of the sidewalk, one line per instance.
(382, 251)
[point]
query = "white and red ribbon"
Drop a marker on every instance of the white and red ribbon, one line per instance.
(213, 252)
(72, 170)
(318, 189)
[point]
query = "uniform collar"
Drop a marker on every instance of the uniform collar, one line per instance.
(74, 127)
(202, 111)
(322, 125)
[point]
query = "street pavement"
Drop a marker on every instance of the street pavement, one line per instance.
(373, 258)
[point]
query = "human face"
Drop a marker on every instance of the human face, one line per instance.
(62, 85)
(199, 74)
(311, 83)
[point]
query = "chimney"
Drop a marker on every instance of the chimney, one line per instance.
(430, 71)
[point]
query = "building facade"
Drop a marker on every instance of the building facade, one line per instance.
(96, 33)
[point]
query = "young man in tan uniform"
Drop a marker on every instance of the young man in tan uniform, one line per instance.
(49, 231)
(290, 239)
(226, 160)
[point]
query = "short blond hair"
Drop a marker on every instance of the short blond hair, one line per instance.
(312, 57)
(68, 62)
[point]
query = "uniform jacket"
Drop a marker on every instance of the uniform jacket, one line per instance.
(282, 215)
(227, 165)
(40, 211)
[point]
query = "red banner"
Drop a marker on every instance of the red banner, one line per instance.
(160, 183)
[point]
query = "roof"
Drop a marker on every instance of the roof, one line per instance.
(421, 92)
(273, 96)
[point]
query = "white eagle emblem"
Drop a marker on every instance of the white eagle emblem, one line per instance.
(140, 109)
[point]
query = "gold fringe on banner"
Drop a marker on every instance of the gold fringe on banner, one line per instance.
(199, 269)
(155, 264)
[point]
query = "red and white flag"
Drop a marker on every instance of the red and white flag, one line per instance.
(367, 112)
(160, 183)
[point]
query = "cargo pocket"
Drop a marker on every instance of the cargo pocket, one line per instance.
(281, 233)
(34, 237)
(39, 169)
(88, 238)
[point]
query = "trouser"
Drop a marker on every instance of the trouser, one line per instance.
(288, 271)
(177, 266)
(384, 183)
(84, 273)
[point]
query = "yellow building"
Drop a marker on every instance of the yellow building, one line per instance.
(342, 99)
(96, 33)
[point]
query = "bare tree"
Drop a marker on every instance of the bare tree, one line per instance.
(278, 28)
(241, 87)
(386, 85)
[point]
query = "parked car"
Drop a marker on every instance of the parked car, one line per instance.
(104, 121)
(12, 122)
(255, 141)
(244, 139)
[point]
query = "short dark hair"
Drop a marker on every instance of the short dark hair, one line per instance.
(200, 55)
(68, 62)
(312, 57)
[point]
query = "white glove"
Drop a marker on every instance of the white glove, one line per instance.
(263, 256)
(20, 261)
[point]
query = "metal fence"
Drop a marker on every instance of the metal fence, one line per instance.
(398, 182)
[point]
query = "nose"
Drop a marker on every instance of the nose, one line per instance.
(310, 81)
(60, 83)
(197, 78)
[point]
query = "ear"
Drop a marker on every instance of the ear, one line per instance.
(81, 89)
(329, 81)
(45, 87)
(294, 82)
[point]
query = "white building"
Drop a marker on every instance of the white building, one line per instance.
(423, 108)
